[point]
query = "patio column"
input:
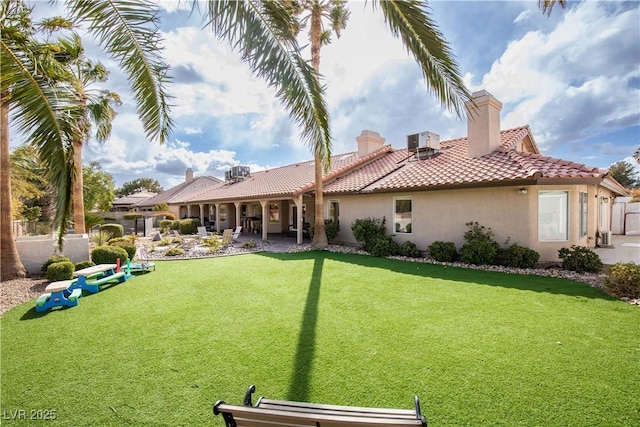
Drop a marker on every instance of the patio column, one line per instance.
(265, 218)
(201, 206)
(217, 217)
(299, 224)
(188, 211)
(238, 211)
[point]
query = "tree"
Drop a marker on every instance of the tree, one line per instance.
(636, 155)
(96, 107)
(624, 173)
(139, 184)
(408, 20)
(99, 188)
(129, 31)
(29, 187)
(33, 91)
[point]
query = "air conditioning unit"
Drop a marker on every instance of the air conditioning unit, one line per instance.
(606, 238)
(423, 141)
(237, 173)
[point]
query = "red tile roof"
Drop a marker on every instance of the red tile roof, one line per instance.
(390, 169)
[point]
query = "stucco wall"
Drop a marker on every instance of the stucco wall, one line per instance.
(35, 250)
(442, 215)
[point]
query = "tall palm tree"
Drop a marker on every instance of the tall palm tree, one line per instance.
(97, 108)
(28, 73)
(313, 13)
(408, 20)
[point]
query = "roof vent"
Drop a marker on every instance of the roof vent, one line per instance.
(424, 144)
(237, 173)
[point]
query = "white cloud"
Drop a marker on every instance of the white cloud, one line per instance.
(522, 17)
(573, 82)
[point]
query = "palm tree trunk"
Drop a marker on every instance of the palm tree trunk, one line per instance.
(10, 265)
(78, 198)
(319, 234)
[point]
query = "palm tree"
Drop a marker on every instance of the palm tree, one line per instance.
(97, 108)
(28, 73)
(313, 13)
(129, 32)
(410, 21)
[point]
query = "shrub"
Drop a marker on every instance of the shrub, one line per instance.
(624, 280)
(116, 230)
(250, 244)
(443, 251)
(368, 230)
(174, 252)
(518, 256)
(214, 244)
(101, 237)
(384, 246)
(108, 254)
(62, 270)
(53, 259)
(189, 225)
(126, 245)
(166, 225)
(409, 249)
(83, 264)
(331, 229)
(580, 259)
(480, 247)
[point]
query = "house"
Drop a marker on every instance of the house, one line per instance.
(427, 191)
(131, 202)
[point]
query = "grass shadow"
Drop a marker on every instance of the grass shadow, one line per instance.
(305, 349)
(552, 285)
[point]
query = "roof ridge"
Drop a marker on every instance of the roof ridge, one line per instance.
(359, 162)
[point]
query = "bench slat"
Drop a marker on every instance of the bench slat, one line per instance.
(322, 408)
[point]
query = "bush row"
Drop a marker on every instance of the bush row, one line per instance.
(480, 248)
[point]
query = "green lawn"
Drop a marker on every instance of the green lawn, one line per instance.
(478, 348)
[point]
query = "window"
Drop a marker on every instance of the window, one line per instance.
(553, 215)
(334, 211)
(223, 213)
(402, 214)
(274, 213)
(583, 214)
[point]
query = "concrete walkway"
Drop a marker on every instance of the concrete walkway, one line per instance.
(623, 249)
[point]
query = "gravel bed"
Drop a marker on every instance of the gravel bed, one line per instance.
(14, 292)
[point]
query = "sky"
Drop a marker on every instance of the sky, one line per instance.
(573, 77)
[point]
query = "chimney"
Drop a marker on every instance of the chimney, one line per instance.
(483, 124)
(368, 142)
(189, 175)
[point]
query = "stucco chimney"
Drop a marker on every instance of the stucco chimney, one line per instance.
(189, 175)
(483, 124)
(368, 142)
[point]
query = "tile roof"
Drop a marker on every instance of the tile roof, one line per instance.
(451, 166)
(181, 192)
(391, 169)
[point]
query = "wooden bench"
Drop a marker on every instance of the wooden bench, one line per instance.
(267, 412)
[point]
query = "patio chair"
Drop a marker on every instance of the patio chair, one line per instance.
(203, 233)
(236, 232)
(227, 236)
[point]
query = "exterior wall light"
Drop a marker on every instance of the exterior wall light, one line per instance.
(523, 190)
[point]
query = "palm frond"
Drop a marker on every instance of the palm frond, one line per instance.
(261, 32)
(37, 102)
(129, 31)
(411, 22)
(547, 5)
